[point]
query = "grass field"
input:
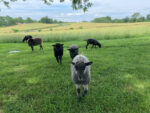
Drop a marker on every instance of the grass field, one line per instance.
(74, 31)
(32, 82)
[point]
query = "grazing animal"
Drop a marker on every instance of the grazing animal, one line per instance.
(58, 52)
(74, 50)
(80, 69)
(33, 41)
(93, 42)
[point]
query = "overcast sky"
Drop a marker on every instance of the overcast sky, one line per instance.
(63, 11)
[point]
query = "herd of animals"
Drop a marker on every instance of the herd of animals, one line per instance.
(80, 65)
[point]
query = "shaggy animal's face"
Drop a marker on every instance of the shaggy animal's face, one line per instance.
(80, 66)
(58, 46)
(73, 50)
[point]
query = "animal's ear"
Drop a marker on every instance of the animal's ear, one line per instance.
(88, 63)
(69, 49)
(32, 40)
(61, 44)
(30, 36)
(72, 63)
(53, 45)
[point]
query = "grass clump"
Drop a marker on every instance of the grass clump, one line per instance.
(15, 30)
(39, 30)
(51, 29)
(80, 27)
(71, 28)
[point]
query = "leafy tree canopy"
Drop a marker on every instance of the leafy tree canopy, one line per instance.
(136, 15)
(76, 4)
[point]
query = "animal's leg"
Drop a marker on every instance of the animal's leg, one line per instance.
(60, 59)
(32, 48)
(92, 46)
(41, 47)
(87, 45)
(95, 46)
(85, 89)
(78, 92)
(57, 59)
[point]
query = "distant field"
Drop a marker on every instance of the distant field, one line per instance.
(74, 31)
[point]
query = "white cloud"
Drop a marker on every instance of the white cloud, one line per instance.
(63, 11)
(74, 14)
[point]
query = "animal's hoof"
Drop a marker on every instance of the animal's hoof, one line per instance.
(79, 98)
(83, 95)
(85, 92)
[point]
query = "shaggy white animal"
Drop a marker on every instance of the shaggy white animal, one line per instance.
(80, 68)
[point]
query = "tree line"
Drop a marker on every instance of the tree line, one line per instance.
(8, 21)
(136, 17)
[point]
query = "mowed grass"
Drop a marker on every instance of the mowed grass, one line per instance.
(32, 82)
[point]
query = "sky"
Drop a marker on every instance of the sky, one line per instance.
(64, 12)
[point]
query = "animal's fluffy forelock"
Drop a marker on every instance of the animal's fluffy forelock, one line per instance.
(58, 45)
(80, 63)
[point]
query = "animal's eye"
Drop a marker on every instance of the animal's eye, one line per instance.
(82, 68)
(76, 67)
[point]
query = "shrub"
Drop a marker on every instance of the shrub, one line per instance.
(39, 30)
(80, 27)
(71, 28)
(15, 30)
(51, 29)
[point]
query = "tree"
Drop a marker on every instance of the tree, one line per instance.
(9, 21)
(106, 19)
(48, 20)
(76, 4)
(29, 20)
(19, 20)
(45, 20)
(126, 19)
(2, 21)
(148, 17)
(117, 20)
(135, 17)
(141, 19)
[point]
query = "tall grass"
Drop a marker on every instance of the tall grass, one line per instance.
(71, 32)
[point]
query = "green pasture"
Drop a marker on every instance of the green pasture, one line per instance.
(32, 82)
